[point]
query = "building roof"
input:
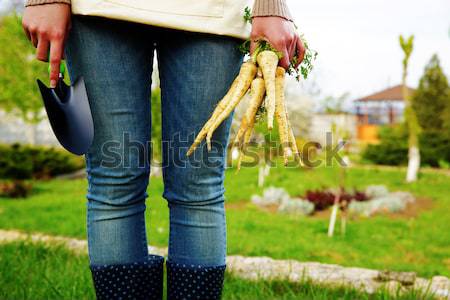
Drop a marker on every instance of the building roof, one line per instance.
(390, 94)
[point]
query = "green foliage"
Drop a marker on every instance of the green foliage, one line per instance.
(432, 98)
(430, 103)
(156, 124)
(307, 65)
(18, 72)
(393, 148)
(248, 15)
(407, 46)
(264, 45)
(244, 48)
(24, 162)
(434, 149)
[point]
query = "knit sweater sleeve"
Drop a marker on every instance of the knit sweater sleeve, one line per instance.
(264, 8)
(39, 2)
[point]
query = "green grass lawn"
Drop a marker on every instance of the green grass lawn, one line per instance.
(420, 243)
(37, 271)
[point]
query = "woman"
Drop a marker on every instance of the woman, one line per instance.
(111, 44)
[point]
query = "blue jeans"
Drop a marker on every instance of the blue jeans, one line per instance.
(115, 58)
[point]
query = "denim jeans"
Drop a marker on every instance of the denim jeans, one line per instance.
(115, 58)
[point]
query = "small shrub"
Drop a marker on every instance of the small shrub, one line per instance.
(321, 199)
(376, 191)
(393, 148)
(271, 196)
(25, 162)
(15, 189)
(389, 203)
(360, 196)
(296, 206)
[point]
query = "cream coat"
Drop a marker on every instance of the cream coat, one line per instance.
(223, 17)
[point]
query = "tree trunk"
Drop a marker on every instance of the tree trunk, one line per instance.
(410, 115)
(261, 175)
(413, 164)
(413, 140)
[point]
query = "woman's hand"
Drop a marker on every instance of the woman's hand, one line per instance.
(281, 34)
(46, 26)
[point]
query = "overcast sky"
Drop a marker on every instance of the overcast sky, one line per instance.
(357, 40)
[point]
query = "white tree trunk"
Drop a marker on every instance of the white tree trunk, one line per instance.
(413, 164)
(333, 217)
(261, 176)
(266, 170)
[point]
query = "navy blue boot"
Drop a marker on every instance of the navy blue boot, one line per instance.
(186, 282)
(140, 280)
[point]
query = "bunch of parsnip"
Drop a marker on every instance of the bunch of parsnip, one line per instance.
(265, 80)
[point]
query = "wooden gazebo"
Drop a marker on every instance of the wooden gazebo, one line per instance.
(379, 109)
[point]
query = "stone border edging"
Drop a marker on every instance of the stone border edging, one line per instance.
(266, 268)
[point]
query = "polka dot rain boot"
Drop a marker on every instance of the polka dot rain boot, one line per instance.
(140, 280)
(186, 282)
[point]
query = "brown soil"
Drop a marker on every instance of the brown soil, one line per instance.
(243, 204)
(239, 205)
(412, 210)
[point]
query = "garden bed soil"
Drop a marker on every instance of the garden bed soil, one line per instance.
(412, 209)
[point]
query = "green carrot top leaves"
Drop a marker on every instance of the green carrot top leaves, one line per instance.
(247, 15)
(264, 45)
(303, 70)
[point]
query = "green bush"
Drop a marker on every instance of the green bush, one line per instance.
(434, 149)
(24, 162)
(393, 148)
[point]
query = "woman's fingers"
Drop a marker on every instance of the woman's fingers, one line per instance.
(284, 61)
(56, 50)
(34, 37)
(252, 46)
(42, 48)
(25, 29)
(300, 51)
(292, 48)
(47, 26)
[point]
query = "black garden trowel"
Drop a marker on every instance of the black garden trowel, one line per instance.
(69, 113)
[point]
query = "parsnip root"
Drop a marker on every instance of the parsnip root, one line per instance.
(280, 113)
(257, 91)
(227, 104)
(292, 140)
(247, 137)
(245, 78)
(267, 83)
(268, 61)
